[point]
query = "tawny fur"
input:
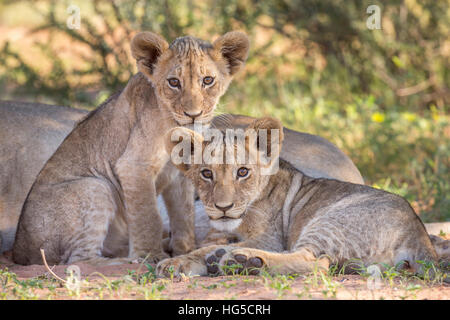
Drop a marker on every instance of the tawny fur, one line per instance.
(294, 223)
(105, 172)
(31, 132)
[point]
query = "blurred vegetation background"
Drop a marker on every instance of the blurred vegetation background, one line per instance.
(382, 96)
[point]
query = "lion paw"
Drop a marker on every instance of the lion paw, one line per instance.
(142, 257)
(180, 265)
(232, 261)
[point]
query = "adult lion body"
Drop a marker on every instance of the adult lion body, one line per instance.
(100, 184)
(289, 222)
(29, 134)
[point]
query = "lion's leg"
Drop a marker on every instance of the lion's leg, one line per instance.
(179, 201)
(216, 237)
(69, 221)
(145, 226)
(254, 260)
(191, 264)
(97, 208)
(166, 245)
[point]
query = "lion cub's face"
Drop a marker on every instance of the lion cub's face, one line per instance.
(227, 190)
(190, 75)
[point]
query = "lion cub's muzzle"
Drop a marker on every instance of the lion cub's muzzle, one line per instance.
(225, 213)
(193, 115)
(227, 221)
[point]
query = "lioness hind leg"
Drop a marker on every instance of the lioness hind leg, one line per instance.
(90, 245)
(68, 220)
(96, 208)
(253, 261)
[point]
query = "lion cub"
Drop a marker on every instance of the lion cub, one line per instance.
(100, 184)
(289, 222)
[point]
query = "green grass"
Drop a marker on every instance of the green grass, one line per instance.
(95, 286)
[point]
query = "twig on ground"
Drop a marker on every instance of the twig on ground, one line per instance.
(48, 269)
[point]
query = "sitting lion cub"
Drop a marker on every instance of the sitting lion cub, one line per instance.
(100, 184)
(288, 222)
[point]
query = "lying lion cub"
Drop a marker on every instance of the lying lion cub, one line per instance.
(101, 181)
(288, 222)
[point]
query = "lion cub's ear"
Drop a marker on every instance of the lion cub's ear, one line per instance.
(184, 146)
(233, 46)
(267, 136)
(146, 48)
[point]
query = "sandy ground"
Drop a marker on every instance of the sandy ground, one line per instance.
(31, 271)
(227, 287)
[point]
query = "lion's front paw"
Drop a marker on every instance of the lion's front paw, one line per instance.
(141, 257)
(228, 260)
(180, 265)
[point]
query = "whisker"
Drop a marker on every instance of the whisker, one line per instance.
(227, 119)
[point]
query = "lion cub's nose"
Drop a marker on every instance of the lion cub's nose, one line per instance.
(193, 115)
(223, 207)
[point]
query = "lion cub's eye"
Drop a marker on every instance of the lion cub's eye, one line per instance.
(242, 172)
(207, 81)
(207, 174)
(174, 82)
